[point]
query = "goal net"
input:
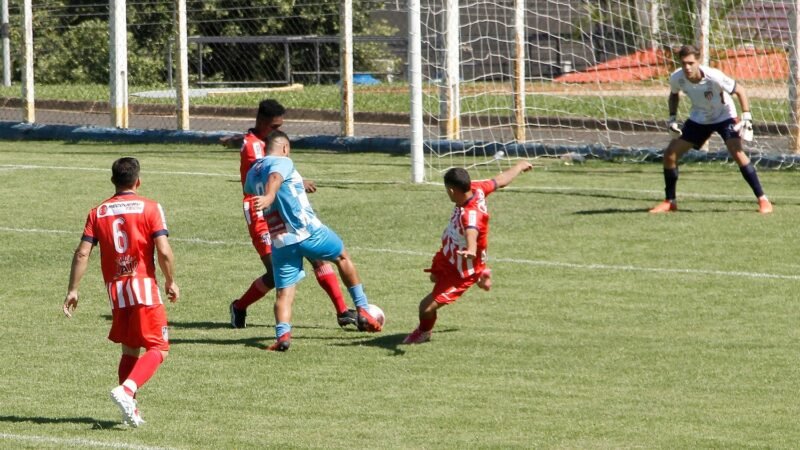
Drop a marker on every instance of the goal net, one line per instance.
(564, 78)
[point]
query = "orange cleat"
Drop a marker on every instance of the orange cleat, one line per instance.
(366, 322)
(764, 206)
(282, 344)
(664, 207)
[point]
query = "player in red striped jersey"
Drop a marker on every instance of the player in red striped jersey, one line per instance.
(461, 261)
(270, 118)
(129, 229)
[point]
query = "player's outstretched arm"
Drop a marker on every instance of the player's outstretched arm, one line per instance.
(274, 181)
(166, 261)
(505, 178)
(80, 261)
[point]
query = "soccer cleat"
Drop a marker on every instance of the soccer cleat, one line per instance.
(366, 322)
(127, 406)
(349, 317)
(664, 207)
(485, 280)
(238, 316)
(282, 344)
(417, 337)
(764, 206)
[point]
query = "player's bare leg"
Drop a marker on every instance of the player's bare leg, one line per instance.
(427, 319)
(736, 150)
(676, 148)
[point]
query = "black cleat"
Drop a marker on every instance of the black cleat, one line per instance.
(349, 317)
(238, 316)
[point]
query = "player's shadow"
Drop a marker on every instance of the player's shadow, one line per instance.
(256, 342)
(391, 342)
(96, 424)
(591, 212)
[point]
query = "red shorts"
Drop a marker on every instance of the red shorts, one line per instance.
(140, 326)
(449, 285)
(257, 226)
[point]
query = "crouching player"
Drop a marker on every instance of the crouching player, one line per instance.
(461, 261)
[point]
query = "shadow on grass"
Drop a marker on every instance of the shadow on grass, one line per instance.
(256, 342)
(96, 424)
(392, 342)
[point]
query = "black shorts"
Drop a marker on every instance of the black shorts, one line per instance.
(698, 134)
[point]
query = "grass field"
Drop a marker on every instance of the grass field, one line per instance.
(606, 327)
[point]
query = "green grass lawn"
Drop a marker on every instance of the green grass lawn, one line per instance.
(606, 327)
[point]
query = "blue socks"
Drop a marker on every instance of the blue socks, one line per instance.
(281, 329)
(358, 296)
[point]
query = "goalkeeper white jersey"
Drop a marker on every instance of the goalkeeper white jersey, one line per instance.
(711, 96)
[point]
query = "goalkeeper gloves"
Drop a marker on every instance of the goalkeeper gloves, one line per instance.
(745, 126)
(673, 126)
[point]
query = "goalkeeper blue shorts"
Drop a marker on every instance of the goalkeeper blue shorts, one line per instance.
(698, 133)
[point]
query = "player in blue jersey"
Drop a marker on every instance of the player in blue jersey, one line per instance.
(713, 111)
(297, 233)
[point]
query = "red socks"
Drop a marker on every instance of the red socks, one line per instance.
(144, 368)
(256, 291)
(126, 364)
(327, 280)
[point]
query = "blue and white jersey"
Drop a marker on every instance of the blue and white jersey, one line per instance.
(711, 96)
(290, 217)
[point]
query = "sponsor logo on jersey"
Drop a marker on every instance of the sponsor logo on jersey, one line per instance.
(119, 208)
(709, 95)
(126, 266)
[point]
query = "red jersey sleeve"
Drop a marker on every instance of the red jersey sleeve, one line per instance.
(156, 220)
(253, 148)
(487, 186)
(89, 227)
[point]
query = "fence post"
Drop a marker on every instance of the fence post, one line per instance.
(6, 49)
(182, 90)
(346, 67)
(29, 115)
(794, 79)
(118, 63)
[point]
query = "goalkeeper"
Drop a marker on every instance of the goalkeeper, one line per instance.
(712, 111)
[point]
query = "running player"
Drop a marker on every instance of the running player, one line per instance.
(713, 111)
(461, 261)
(270, 118)
(297, 233)
(129, 228)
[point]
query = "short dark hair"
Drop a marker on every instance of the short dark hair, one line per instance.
(274, 136)
(270, 108)
(125, 172)
(687, 50)
(457, 178)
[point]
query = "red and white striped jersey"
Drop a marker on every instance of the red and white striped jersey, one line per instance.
(125, 227)
(472, 214)
(253, 149)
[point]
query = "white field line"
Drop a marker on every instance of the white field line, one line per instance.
(323, 181)
(74, 442)
(528, 262)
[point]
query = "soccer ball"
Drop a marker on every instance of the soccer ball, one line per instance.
(377, 313)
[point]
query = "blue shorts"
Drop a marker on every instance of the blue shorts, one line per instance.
(698, 134)
(287, 262)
